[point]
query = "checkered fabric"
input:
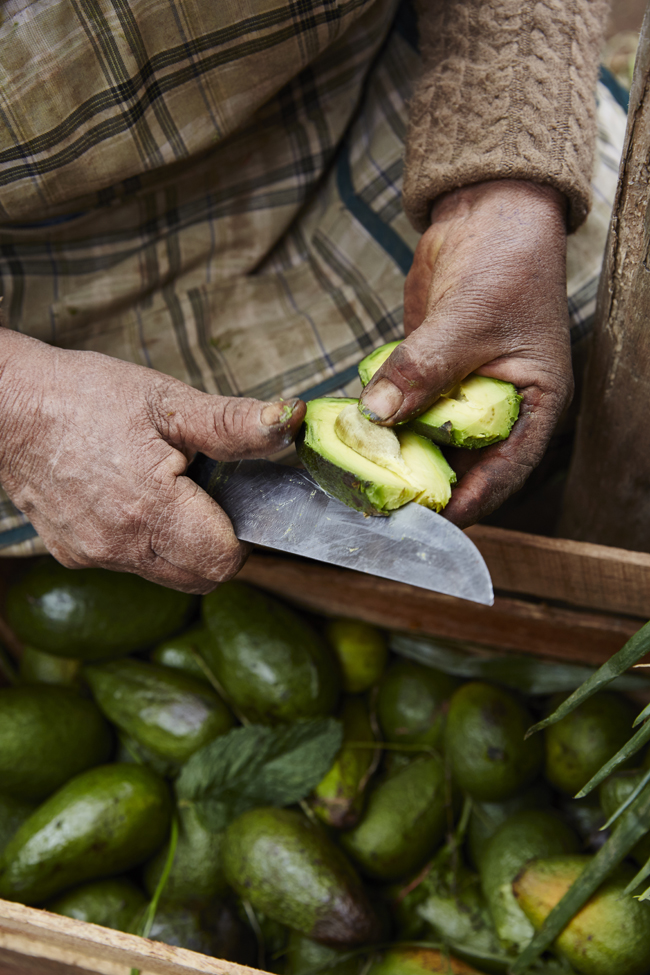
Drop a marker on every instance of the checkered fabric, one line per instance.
(214, 189)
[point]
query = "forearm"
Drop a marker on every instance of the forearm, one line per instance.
(22, 360)
(507, 92)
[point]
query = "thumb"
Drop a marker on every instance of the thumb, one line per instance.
(433, 359)
(226, 427)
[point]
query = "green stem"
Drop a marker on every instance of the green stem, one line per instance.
(150, 915)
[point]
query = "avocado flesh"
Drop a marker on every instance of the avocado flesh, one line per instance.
(369, 366)
(429, 467)
(340, 470)
(360, 469)
(477, 412)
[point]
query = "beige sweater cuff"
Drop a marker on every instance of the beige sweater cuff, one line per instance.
(507, 92)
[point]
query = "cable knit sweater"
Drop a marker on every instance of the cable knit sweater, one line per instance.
(507, 91)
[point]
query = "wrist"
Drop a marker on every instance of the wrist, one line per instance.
(540, 201)
(22, 360)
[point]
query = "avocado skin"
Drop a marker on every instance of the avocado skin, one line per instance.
(340, 484)
(486, 817)
(92, 614)
(214, 930)
(37, 667)
(612, 793)
(166, 711)
(112, 903)
(47, 735)
(289, 869)
(272, 665)
(304, 955)
(610, 935)
(411, 705)
(404, 822)
(485, 744)
(361, 651)
(528, 834)
(419, 961)
(338, 799)
(179, 652)
(196, 875)
(101, 823)
(13, 813)
(580, 744)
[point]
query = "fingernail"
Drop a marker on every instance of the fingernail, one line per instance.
(382, 401)
(278, 414)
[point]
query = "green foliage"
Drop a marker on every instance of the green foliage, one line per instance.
(258, 766)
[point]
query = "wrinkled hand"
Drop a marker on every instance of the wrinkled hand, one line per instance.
(93, 450)
(487, 294)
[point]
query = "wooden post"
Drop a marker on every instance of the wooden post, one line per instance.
(607, 499)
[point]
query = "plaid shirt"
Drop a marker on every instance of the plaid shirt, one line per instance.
(213, 189)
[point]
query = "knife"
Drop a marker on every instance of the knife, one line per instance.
(283, 508)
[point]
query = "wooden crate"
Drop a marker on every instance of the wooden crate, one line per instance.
(555, 599)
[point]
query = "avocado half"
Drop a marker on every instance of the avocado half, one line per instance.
(477, 412)
(361, 483)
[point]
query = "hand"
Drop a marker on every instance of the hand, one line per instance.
(487, 294)
(93, 450)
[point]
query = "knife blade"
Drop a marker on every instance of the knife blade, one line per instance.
(283, 508)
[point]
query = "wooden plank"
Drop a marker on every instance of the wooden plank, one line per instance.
(607, 499)
(529, 627)
(86, 948)
(578, 573)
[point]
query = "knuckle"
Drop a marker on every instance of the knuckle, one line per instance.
(235, 421)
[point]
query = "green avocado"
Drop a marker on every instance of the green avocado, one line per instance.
(37, 667)
(272, 665)
(47, 735)
(291, 871)
(166, 711)
(304, 956)
(616, 790)
(213, 930)
(447, 905)
(404, 821)
(92, 614)
(610, 935)
(181, 652)
(13, 813)
(419, 961)
(338, 799)
(412, 703)
(197, 871)
(112, 903)
(101, 823)
(477, 412)
(361, 651)
(362, 480)
(486, 817)
(580, 744)
(485, 742)
(528, 834)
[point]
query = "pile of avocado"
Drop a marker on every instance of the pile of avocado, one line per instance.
(377, 469)
(438, 840)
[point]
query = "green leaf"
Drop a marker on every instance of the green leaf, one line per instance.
(258, 766)
(635, 648)
(150, 913)
(630, 748)
(634, 824)
(520, 672)
(642, 716)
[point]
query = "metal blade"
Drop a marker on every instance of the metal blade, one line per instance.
(284, 509)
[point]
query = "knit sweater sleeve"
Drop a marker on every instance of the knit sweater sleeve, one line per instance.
(507, 91)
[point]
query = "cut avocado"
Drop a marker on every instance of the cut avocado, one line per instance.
(359, 481)
(378, 444)
(477, 412)
(369, 366)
